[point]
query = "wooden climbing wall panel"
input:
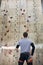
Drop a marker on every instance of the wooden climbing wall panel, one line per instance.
(16, 17)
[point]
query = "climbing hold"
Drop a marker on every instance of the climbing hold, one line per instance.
(22, 13)
(9, 21)
(3, 10)
(5, 14)
(1, 39)
(2, 22)
(27, 20)
(11, 17)
(24, 25)
(5, 45)
(13, 55)
(7, 30)
(24, 10)
(27, 30)
(5, 34)
(6, 11)
(5, 26)
(29, 16)
(21, 9)
(15, 29)
(10, 51)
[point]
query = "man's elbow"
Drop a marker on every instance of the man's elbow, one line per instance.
(17, 46)
(34, 47)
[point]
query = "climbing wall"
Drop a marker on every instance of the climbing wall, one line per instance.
(19, 16)
(16, 17)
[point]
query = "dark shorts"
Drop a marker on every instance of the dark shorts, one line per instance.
(24, 56)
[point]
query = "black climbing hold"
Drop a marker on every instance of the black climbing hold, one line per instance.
(6, 11)
(27, 20)
(5, 34)
(5, 26)
(24, 10)
(29, 16)
(5, 45)
(21, 9)
(22, 13)
(24, 25)
(11, 17)
(1, 39)
(9, 21)
(5, 14)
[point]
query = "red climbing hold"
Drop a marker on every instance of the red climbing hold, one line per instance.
(7, 30)
(27, 30)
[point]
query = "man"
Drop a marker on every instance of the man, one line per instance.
(25, 45)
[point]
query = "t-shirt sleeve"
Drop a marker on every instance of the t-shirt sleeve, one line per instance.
(33, 48)
(18, 44)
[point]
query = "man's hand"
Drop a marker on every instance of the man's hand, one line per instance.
(30, 59)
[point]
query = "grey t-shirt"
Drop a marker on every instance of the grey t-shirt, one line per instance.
(25, 45)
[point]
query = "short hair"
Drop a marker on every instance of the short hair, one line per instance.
(25, 34)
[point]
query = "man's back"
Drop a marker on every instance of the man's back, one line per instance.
(25, 45)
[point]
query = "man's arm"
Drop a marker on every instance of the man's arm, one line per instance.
(33, 48)
(17, 47)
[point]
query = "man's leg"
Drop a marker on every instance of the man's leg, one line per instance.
(20, 62)
(21, 59)
(30, 61)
